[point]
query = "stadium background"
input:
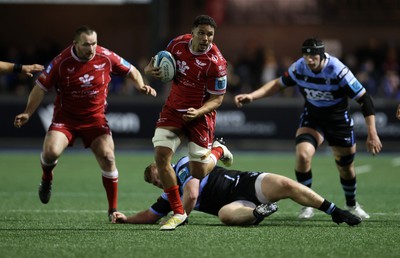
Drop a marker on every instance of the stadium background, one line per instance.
(259, 38)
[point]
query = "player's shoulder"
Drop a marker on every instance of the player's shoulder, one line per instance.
(65, 54)
(181, 39)
(105, 52)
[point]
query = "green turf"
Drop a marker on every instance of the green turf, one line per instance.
(74, 223)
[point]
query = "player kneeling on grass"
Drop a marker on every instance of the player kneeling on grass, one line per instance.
(236, 197)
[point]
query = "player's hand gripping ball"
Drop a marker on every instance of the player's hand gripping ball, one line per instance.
(167, 64)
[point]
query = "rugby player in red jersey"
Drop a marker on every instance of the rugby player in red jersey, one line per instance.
(80, 75)
(189, 113)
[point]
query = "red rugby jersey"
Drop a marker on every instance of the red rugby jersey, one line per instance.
(82, 86)
(198, 74)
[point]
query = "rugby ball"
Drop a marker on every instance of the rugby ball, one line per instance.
(167, 64)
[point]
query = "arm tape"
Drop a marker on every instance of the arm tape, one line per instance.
(367, 106)
(17, 68)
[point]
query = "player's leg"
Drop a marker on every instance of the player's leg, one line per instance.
(344, 157)
(166, 140)
(53, 146)
(103, 149)
(244, 212)
(307, 142)
(276, 187)
(237, 213)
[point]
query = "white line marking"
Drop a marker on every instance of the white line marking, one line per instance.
(363, 169)
(396, 162)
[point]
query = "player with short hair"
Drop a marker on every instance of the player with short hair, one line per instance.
(80, 75)
(326, 84)
(189, 113)
(236, 197)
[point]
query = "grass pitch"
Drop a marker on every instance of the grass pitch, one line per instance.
(74, 223)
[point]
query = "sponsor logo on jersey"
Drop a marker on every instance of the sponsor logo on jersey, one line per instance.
(125, 63)
(356, 86)
(49, 67)
(318, 95)
(182, 67)
(99, 67)
(71, 70)
(343, 72)
(214, 58)
(86, 80)
(178, 53)
(106, 51)
(220, 83)
(200, 63)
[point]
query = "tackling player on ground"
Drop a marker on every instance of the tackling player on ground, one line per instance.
(236, 197)
(326, 84)
(189, 113)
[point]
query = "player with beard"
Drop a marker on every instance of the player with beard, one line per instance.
(80, 76)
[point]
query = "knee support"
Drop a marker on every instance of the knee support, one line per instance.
(345, 160)
(306, 137)
(198, 153)
(166, 138)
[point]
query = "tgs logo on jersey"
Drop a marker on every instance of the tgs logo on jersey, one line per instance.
(318, 95)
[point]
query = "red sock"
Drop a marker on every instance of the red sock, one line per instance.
(47, 174)
(175, 199)
(218, 152)
(111, 186)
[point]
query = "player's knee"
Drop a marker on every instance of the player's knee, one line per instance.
(343, 161)
(198, 153)
(166, 138)
(226, 216)
(306, 137)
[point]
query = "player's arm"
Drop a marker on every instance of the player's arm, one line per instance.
(190, 194)
(268, 89)
(143, 217)
(28, 70)
(35, 98)
(137, 79)
(210, 105)
(374, 144)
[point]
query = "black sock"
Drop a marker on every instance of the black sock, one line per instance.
(349, 188)
(327, 207)
(304, 178)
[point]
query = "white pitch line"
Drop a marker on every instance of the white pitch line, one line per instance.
(363, 169)
(396, 162)
(135, 211)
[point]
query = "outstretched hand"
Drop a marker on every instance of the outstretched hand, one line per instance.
(21, 119)
(242, 99)
(30, 69)
(118, 217)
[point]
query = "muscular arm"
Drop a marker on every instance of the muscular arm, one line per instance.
(6, 67)
(210, 105)
(35, 98)
(268, 89)
(137, 79)
(142, 217)
(190, 195)
(374, 144)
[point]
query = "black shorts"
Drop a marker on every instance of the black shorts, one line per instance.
(338, 129)
(226, 186)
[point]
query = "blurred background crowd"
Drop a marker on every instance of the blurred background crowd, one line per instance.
(376, 65)
(258, 38)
